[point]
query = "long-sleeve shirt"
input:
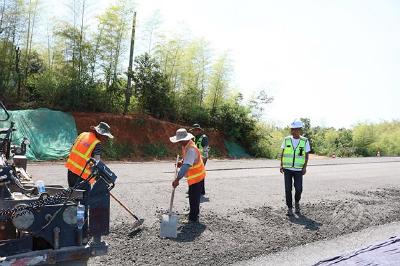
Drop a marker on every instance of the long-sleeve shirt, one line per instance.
(188, 161)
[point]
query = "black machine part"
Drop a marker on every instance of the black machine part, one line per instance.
(5, 142)
(46, 223)
(99, 170)
(52, 216)
(4, 115)
(20, 150)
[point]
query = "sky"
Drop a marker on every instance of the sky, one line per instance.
(336, 62)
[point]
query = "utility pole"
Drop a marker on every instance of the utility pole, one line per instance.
(17, 70)
(128, 92)
(28, 37)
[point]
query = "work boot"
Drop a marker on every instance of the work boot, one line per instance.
(297, 208)
(195, 221)
(289, 212)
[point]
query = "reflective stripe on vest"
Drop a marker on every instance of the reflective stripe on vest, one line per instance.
(294, 158)
(81, 152)
(197, 172)
(199, 143)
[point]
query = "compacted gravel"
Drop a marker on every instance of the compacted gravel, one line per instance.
(241, 235)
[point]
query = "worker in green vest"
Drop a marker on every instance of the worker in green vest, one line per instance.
(201, 141)
(294, 159)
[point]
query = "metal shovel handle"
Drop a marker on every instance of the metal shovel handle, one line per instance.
(123, 206)
(173, 190)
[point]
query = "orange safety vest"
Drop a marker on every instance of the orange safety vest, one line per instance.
(197, 172)
(81, 152)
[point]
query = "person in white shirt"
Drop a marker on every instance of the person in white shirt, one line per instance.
(294, 159)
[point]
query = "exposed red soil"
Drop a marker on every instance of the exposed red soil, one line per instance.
(138, 130)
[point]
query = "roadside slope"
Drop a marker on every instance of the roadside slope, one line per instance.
(144, 134)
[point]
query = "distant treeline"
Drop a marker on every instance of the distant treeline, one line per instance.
(364, 139)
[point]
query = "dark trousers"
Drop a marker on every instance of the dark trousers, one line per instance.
(203, 190)
(297, 176)
(74, 179)
(194, 201)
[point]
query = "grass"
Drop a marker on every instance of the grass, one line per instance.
(155, 150)
(215, 153)
(113, 150)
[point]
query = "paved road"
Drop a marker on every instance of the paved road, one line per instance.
(145, 186)
(250, 192)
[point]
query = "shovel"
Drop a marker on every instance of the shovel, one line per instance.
(138, 222)
(169, 221)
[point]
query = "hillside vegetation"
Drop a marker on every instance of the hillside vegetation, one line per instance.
(81, 67)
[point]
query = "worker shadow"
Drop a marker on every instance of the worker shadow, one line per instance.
(204, 199)
(190, 231)
(308, 223)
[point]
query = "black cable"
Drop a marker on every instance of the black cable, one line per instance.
(71, 190)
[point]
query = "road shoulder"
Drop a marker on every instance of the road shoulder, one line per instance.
(311, 253)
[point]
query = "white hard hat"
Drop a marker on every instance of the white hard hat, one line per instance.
(296, 124)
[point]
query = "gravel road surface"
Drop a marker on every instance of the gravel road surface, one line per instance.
(243, 214)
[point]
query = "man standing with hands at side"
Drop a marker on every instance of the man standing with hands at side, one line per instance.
(294, 159)
(201, 141)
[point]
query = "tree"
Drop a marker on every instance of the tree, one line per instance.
(113, 26)
(257, 104)
(363, 137)
(152, 88)
(219, 83)
(31, 17)
(195, 71)
(150, 31)
(12, 28)
(169, 53)
(187, 66)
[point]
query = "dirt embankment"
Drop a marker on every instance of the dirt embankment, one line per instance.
(145, 134)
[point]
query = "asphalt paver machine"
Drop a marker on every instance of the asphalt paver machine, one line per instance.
(50, 224)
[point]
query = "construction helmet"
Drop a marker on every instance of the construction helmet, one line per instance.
(296, 124)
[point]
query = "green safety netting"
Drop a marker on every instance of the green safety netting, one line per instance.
(51, 133)
(235, 150)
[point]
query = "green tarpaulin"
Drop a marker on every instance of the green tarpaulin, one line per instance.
(235, 150)
(51, 133)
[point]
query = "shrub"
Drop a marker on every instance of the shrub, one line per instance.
(113, 150)
(156, 150)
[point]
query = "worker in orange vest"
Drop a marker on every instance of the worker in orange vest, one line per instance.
(86, 146)
(193, 168)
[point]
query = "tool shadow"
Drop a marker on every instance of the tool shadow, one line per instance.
(189, 232)
(204, 199)
(308, 223)
(135, 232)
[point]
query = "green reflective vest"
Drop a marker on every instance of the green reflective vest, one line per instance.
(294, 158)
(199, 140)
